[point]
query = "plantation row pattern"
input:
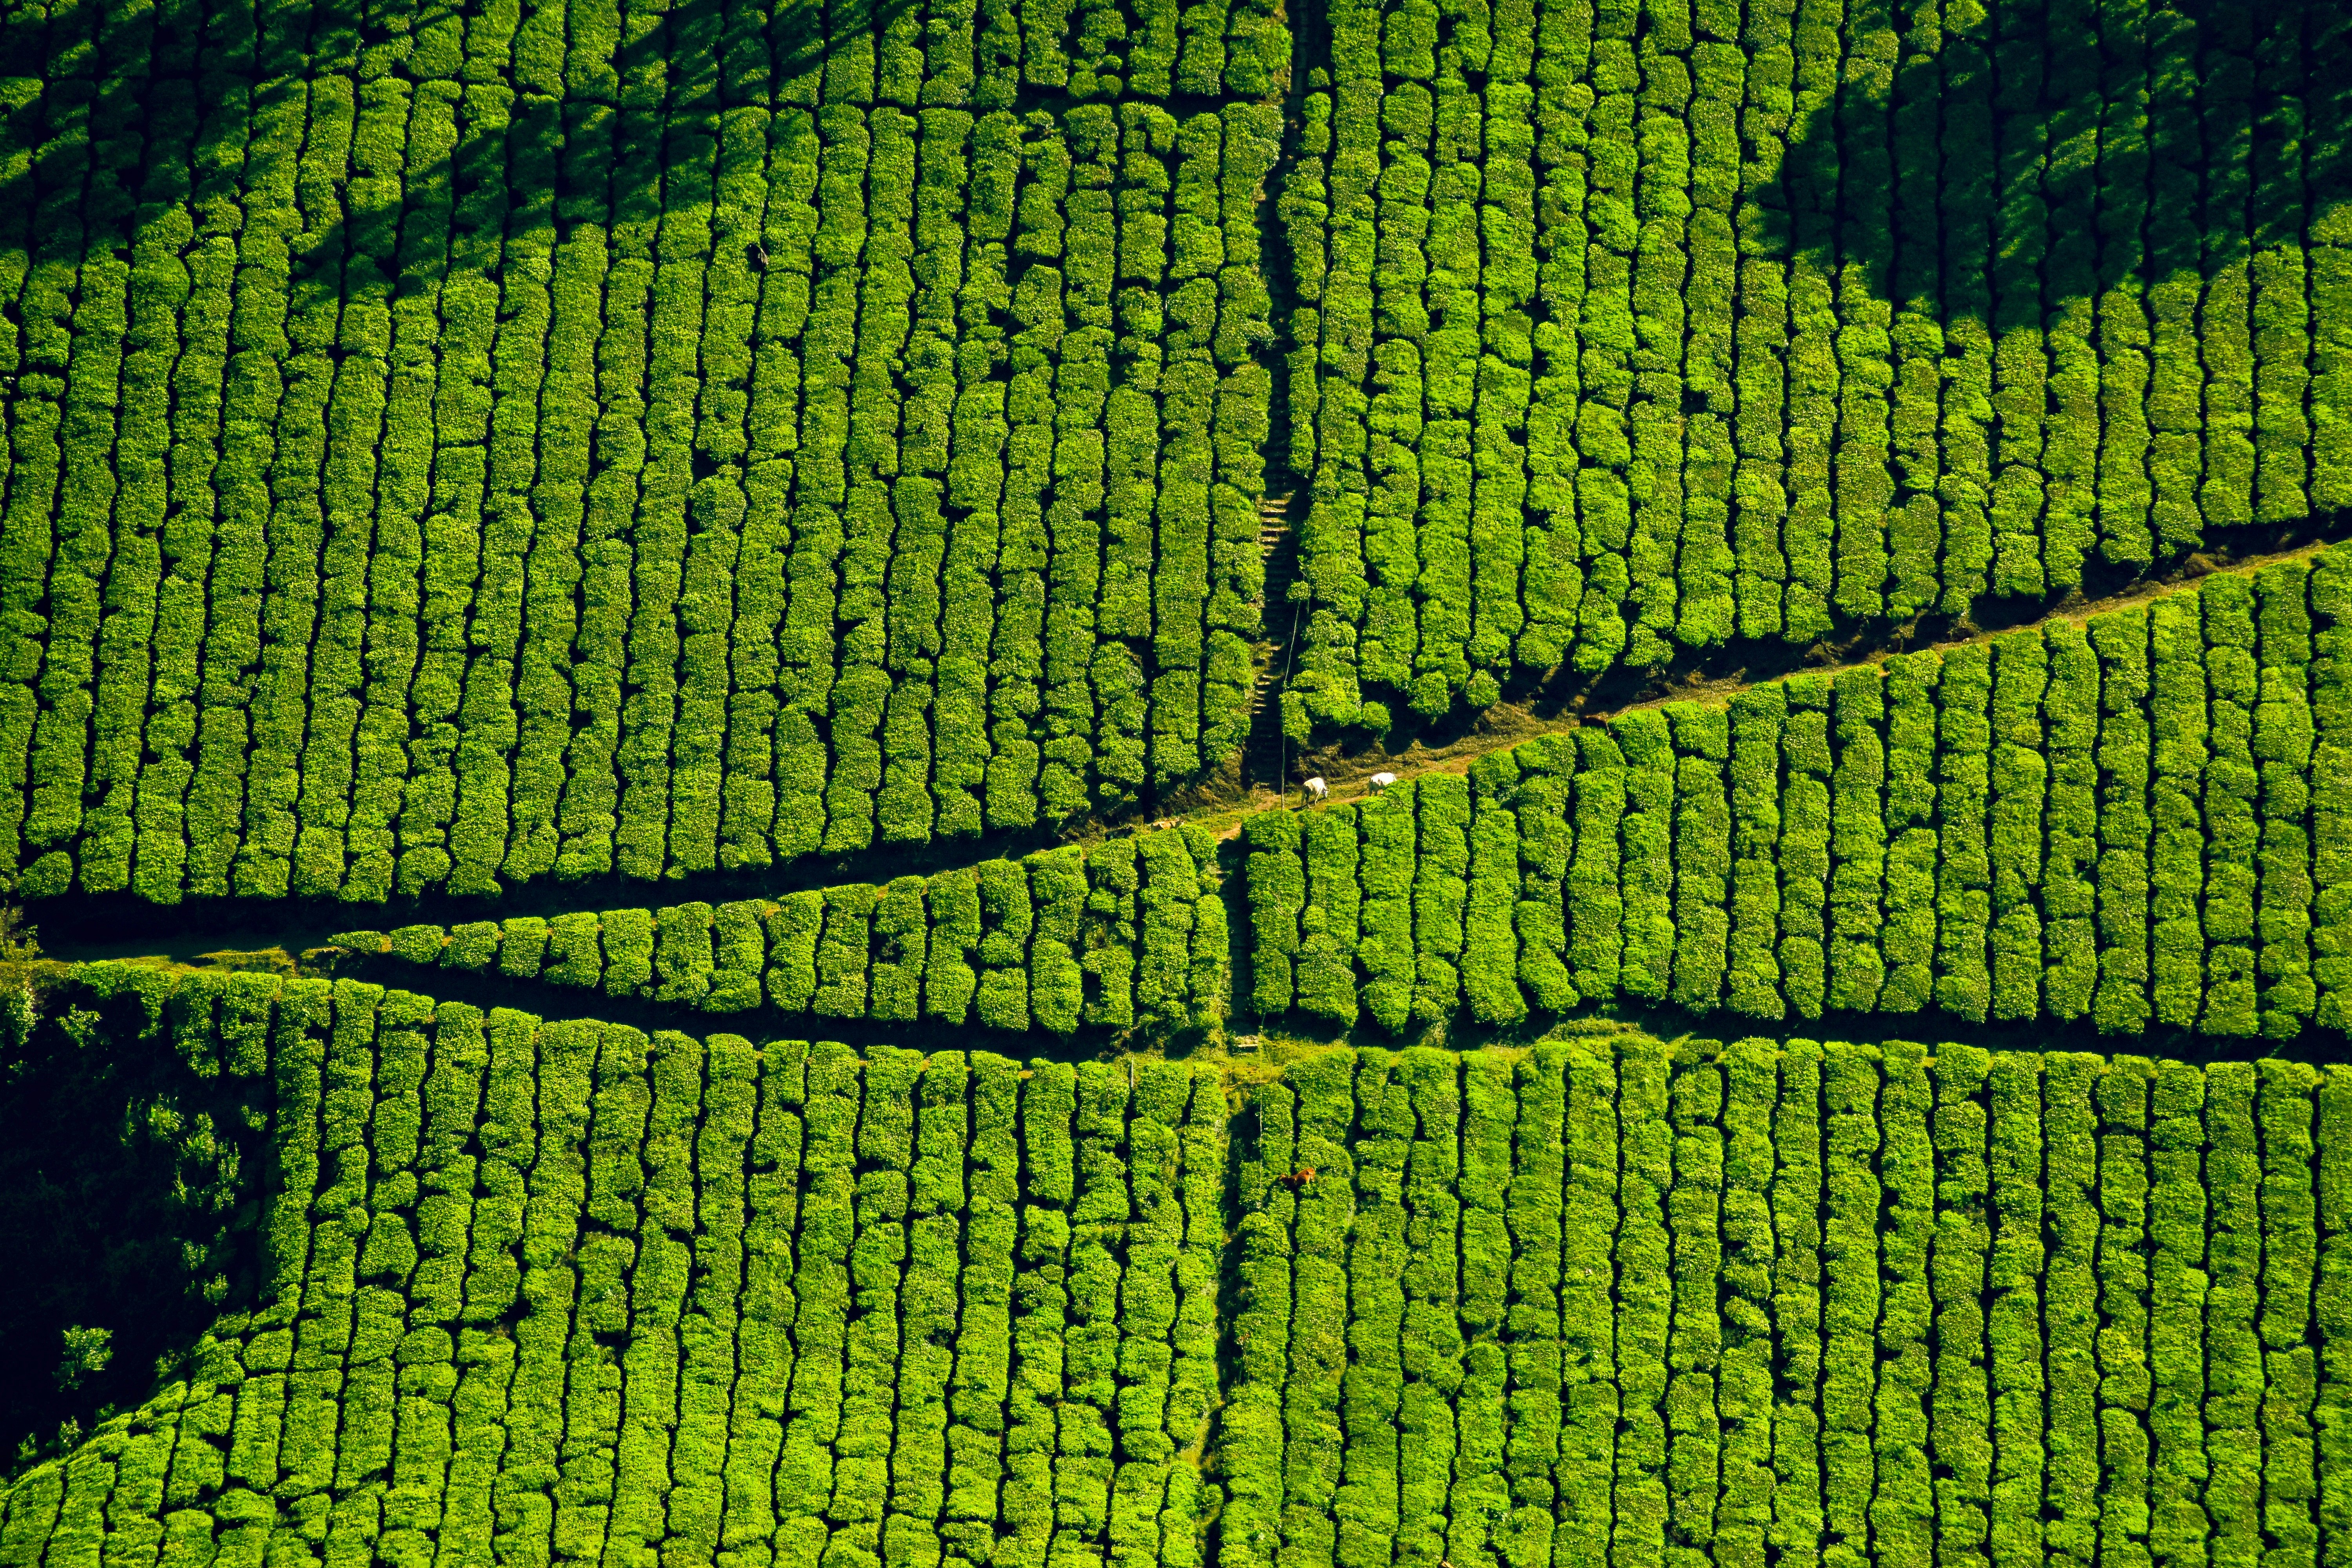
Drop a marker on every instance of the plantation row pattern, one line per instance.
(1133, 933)
(1631, 329)
(1795, 1303)
(570, 1292)
(2143, 821)
(561, 1291)
(576, 440)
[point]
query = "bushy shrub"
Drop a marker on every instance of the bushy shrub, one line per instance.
(628, 952)
(419, 943)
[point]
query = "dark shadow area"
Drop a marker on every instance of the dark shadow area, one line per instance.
(122, 110)
(136, 120)
(2052, 152)
(129, 1181)
(2005, 173)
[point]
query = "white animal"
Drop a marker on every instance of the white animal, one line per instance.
(1381, 781)
(1316, 789)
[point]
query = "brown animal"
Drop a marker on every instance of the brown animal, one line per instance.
(1297, 1179)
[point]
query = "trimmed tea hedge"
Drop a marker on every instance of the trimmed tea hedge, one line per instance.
(2131, 822)
(1620, 1300)
(1626, 331)
(537, 441)
(2127, 823)
(552, 1290)
(1134, 931)
(830, 1300)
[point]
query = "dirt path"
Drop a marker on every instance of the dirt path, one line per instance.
(1507, 724)
(249, 945)
(247, 942)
